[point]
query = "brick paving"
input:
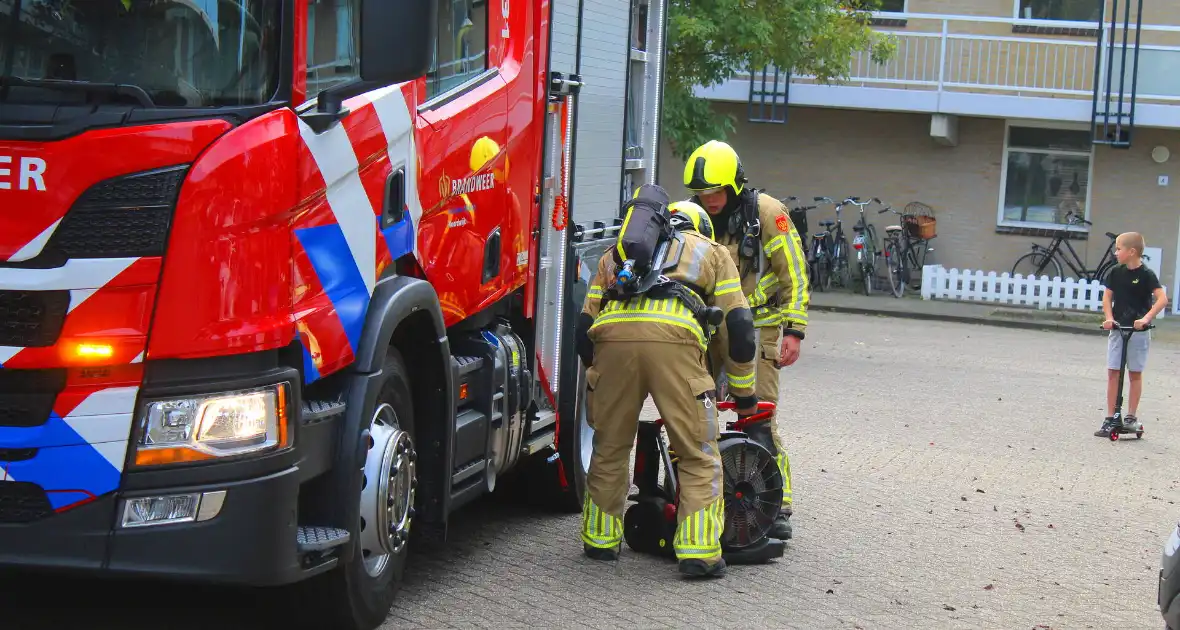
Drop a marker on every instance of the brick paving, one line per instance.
(945, 477)
(917, 450)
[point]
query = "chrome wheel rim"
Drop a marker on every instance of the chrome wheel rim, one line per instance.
(388, 490)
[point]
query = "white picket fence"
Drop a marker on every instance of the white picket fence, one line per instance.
(940, 283)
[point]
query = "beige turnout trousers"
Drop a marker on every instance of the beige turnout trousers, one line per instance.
(674, 374)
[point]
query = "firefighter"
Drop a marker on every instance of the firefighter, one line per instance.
(655, 343)
(755, 229)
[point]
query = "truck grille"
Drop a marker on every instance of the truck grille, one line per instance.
(32, 319)
(23, 502)
(27, 396)
(25, 410)
(122, 217)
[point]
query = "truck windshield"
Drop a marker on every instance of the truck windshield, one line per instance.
(156, 53)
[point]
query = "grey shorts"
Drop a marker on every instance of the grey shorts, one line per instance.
(1136, 351)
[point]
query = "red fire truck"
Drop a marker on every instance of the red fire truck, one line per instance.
(283, 282)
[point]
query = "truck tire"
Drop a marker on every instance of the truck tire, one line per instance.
(565, 477)
(556, 483)
(361, 591)
(575, 443)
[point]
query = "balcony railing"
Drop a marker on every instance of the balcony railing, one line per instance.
(973, 54)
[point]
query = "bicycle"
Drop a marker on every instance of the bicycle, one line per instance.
(819, 256)
(838, 244)
(1041, 257)
(865, 244)
(902, 243)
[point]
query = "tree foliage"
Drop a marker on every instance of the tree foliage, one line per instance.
(709, 41)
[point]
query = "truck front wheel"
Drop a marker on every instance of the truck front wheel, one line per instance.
(363, 588)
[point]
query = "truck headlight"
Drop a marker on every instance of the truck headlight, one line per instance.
(225, 424)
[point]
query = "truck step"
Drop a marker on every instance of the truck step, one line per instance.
(467, 365)
(313, 538)
(320, 410)
(536, 444)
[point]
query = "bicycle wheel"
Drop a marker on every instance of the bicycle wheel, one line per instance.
(1035, 264)
(866, 278)
(843, 266)
(895, 264)
(1103, 271)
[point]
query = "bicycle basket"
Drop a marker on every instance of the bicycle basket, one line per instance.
(919, 221)
(799, 218)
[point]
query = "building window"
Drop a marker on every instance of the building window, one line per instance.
(461, 48)
(1046, 175)
(1068, 10)
(892, 6)
(332, 35)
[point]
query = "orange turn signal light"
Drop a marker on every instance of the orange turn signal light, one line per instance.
(94, 351)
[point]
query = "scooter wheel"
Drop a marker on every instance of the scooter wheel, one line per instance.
(645, 528)
(1114, 435)
(1139, 434)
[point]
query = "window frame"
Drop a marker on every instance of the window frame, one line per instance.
(1050, 21)
(905, 9)
(434, 101)
(353, 60)
(1001, 221)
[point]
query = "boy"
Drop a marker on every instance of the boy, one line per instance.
(1127, 301)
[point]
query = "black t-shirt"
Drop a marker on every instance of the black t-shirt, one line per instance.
(1131, 291)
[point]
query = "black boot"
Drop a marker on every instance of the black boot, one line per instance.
(781, 529)
(700, 568)
(601, 553)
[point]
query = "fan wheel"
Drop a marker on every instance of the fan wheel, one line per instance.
(753, 492)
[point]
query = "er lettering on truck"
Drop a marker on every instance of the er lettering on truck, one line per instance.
(30, 172)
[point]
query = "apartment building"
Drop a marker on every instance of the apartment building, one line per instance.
(1001, 115)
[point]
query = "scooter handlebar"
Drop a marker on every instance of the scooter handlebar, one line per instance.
(1147, 327)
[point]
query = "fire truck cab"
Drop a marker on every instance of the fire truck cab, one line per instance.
(284, 284)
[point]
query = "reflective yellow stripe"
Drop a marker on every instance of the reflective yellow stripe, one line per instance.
(623, 230)
(799, 281)
(775, 244)
(798, 317)
(740, 381)
(600, 529)
(668, 311)
(699, 535)
(784, 467)
(767, 318)
(762, 291)
(726, 287)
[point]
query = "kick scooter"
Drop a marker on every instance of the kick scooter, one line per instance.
(1118, 427)
(753, 491)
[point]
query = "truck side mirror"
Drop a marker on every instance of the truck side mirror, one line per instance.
(397, 39)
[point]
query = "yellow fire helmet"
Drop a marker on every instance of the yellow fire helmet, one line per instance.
(712, 166)
(482, 152)
(688, 216)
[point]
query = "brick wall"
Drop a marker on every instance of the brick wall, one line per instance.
(836, 153)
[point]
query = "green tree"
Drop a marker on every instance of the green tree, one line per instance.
(709, 41)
